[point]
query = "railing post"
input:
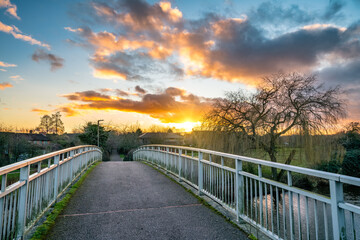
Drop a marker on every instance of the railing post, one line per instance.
(260, 196)
(56, 175)
(239, 181)
(337, 214)
(21, 221)
(200, 173)
(291, 205)
(167, 160)
(180, 164)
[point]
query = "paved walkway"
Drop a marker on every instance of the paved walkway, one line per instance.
(115, 156)
(130, 200)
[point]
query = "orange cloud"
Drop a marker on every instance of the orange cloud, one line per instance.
(41, 111)
(5, 85)
(173, 105)
(11, 8)
(16, 33)
(4, 64)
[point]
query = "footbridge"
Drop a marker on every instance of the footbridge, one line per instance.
(132, 200)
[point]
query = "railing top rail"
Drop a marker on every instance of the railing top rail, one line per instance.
(311, 172)
(18, 165)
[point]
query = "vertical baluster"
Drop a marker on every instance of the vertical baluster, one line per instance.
(353, 225)
(299, 216)
(222, 180)
(11, 201)
(316, 220)
(325, 221)
(6, 217)
(271, 209)
(24, 176)
(239, 183)
(277, 212)
(307, 218)
(247, 196)
(251, 198)
(180, 164)
(255, 200)
(337, 214)
(266, 207)
(260, 196)
(290, 196)
(2, 200)
(14, 215)
(284, 212)
(200, 173)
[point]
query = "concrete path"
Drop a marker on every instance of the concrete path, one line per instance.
(115, 156)
(130, 200)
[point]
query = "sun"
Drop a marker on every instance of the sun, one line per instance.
(185, 126)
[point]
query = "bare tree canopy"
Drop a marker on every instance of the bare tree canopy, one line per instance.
(281, 103)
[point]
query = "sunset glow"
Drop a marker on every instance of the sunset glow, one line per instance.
(165, 62)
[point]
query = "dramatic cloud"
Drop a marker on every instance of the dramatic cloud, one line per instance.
(333, 9)
(173, 105)
(5, 85)
(10, 8)
(54, 61)
(4, 64)
(16, 33)
(156, 38)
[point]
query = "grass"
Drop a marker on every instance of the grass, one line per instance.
(122, 155)
(43, 230)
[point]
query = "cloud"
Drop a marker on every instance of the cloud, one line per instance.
(16, 33)
(10, 8)
(147, 40)
(140, 90)
(16, 78)
(54, 61)
(172, 105)
(40, 111)
(4, 64)
(4, 85)
(333, 9)
(3, 70)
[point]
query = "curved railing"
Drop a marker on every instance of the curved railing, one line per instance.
(30, 187)
(279, 209)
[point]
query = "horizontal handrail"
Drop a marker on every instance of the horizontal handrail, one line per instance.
(280, 210)
(23, 202)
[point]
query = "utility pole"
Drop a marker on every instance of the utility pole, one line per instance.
(98, 135)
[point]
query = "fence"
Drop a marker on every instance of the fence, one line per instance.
(30, 187)
(278, 208)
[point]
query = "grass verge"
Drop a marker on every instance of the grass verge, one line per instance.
(42, 231)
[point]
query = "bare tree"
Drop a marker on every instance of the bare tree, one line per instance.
(281, 103)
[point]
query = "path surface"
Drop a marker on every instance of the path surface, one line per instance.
(130, 200)
(115, 156)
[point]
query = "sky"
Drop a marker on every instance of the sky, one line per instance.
(164, 62)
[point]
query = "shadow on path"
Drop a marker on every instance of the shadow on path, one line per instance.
(130, 200)
(115, 156)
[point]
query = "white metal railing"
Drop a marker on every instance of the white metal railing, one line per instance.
(280, 210)
(30, 187)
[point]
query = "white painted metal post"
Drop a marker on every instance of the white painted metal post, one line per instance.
(200, 173)
(56, 175)
(167, 160)
(21, 221)
(291, 205)
(180, 164)
(337, 214)
(260, 196)
(239, 188)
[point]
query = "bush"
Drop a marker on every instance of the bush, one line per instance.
(351, 163)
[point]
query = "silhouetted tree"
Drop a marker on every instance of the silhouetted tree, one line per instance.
(282, 102)
(45, 124)
(56, 123)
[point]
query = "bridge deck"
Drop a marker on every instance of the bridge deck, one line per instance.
(130, 200)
